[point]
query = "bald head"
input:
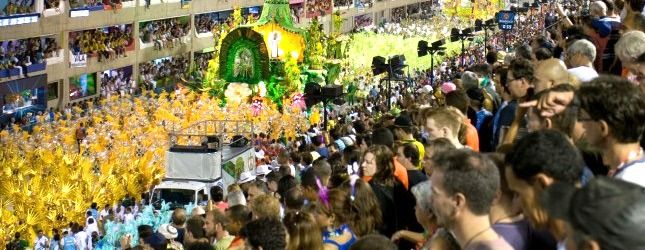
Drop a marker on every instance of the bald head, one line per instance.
(549, 73)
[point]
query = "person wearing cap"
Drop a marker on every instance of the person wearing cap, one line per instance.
(245, 179)
(464, 185)
(605, 214)
(171, 234)
(403, 131)
(535, 162)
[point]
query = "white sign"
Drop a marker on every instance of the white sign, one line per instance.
(79, 13)
(77, 61)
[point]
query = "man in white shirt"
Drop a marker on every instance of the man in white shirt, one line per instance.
(580, 57)
(41, 241)
(81, 238)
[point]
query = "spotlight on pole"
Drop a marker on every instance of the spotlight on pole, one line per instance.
(435, 48)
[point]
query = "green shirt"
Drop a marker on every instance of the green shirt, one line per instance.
(224, 243)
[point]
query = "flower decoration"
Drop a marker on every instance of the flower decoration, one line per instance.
(236, 93)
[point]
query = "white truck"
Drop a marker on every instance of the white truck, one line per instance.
(204, 155)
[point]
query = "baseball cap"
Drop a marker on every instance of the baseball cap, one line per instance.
(403, 121)
(609, 210)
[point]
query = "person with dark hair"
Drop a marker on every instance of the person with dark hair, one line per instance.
(534, 163)
(384, 137)
(374, 242)
(612, 111)
(238, 216)
(265, 234)
(605, 214)
(199, 246)
(195, 231)
(464, 185)
(404, 132)
(512, 122)
(506, 217)
(217, 198)
(542, 54)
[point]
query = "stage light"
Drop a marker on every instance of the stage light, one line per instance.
(378, 65)
(422, 48)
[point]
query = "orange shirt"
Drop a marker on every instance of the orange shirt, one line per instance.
(472, 138)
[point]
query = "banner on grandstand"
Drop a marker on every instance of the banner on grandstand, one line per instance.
(77, 60)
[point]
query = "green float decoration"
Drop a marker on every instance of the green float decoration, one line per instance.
(244, 56)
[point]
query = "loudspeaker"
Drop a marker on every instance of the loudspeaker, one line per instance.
(239, 141)
(332, 91)
(212, 142)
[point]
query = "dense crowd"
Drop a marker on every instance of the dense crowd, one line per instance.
(166, 33)
(117, 82)
(15, 7)
(201, 60)
(51, 4)
(297, 12)
(167, 70)
(84, 3)
(24, 52)
(536, 148)
(106, 43)
(206, 23)
(318, 8)
(363, 21)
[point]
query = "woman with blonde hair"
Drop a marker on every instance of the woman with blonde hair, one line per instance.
(303, 231)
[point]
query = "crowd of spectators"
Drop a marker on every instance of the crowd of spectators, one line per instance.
(208, 22)
(297, 11)
(343, 3)
(318, 8)
(52, 4)
(84, 3)
(107, 43)
(118, 82)
(24, 52)
(166, 33)
(163, 73)
(364, 3)
(398, 14)
(363, 21)
(15, 7)
(201, 60)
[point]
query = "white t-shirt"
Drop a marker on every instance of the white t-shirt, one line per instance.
(41, 243)
(128, 217)
(633, 172)
(83, 241)
(584, 73)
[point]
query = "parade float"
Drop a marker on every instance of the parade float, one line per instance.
(258, 73)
